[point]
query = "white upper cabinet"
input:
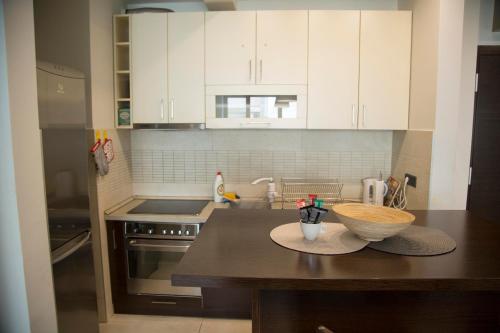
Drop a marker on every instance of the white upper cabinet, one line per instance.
(230, 48)
(149, 67)
(333, 69)
(186, 80)
(282, 47)
(245, 47)
(318, 69)
(384, 69)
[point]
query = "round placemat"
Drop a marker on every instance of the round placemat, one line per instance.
(417, 241)
(335, 240)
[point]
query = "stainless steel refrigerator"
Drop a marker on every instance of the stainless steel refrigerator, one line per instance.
(63, 117)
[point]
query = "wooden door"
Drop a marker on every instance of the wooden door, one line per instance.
(186, 61)
(333, 69)
(230, 48)
(149, 67)
(484, 189)
(282, 47)
(384, 86)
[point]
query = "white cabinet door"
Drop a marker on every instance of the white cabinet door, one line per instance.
(384, 69)
(282, 47)
(186, 80)
(149, 68)
(333, 69)
(230, 47)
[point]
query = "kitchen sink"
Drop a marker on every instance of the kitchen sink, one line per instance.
(260, 204)
(250, 204)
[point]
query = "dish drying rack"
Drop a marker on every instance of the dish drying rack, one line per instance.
(293, 189)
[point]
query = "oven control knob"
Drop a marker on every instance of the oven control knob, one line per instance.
(164, 231)
(171, 231)
(135, 230)
(180, 233)
(187, 232)
(150, 231)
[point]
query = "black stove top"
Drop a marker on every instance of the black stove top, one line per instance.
(172, 207)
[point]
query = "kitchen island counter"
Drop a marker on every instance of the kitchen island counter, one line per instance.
(235, 250)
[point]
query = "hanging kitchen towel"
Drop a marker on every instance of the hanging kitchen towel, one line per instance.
(100, 158)
(108, 148)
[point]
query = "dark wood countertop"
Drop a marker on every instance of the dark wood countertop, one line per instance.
(234, 250)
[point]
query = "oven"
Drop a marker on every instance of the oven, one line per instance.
(144, 254)
(152, 251)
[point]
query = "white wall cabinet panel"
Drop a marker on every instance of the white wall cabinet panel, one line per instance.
(186, 80)
(149, 68)
(230, 47)
(282, 47)
(333, 70)
(385, 51)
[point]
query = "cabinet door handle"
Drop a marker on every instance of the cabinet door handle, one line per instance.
(364, 116)
(354, 115)
(162, 109)
(172, 108)
(260, 63)
(114, 240)
(250, 70)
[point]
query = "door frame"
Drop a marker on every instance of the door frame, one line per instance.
(482, 50)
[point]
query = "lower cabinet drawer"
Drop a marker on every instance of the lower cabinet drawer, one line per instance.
(159, 305)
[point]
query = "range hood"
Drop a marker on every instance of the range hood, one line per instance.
(170, 126)
(220, 4)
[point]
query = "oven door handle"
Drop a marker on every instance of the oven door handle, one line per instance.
(158, 245)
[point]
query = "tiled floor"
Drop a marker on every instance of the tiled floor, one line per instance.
(159, 324)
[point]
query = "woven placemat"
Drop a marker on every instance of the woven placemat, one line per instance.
(335, 240)
(417, 241)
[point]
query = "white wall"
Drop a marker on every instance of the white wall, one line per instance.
(102, 88)
(14, 301)
(24, 162)
(486, 35)
(458, 37)
(424, 55)
(101, 61)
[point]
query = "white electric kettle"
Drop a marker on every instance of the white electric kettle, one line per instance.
(374, 191)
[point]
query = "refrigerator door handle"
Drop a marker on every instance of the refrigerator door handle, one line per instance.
(70, 247)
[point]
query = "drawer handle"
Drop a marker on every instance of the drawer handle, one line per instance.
(164, 302)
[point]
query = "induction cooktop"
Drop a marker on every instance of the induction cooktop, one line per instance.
(171, 207)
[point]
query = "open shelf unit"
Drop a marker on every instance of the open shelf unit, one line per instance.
(121, 36)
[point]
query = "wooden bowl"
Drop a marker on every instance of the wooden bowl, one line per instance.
(373, 223)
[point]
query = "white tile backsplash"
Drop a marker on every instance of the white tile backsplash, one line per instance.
(193, 157)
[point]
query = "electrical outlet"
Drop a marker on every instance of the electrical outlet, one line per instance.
(412, 180)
